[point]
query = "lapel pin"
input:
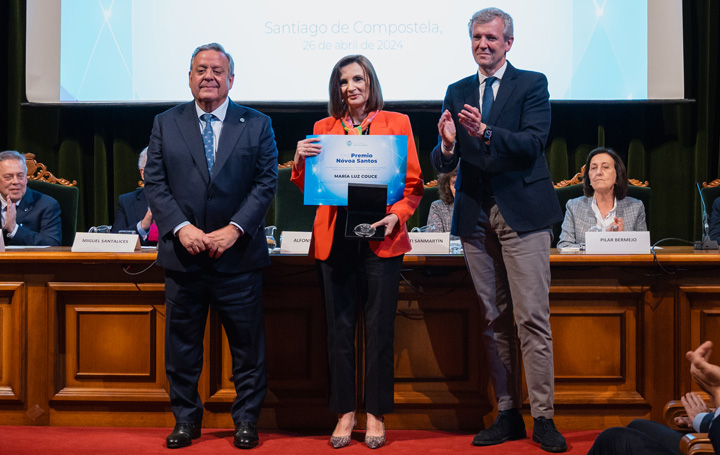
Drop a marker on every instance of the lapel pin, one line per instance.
(242, 119)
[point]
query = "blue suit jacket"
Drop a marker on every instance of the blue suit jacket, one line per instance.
(714, 434)
(179, 187)
(513, 167)
(131, 208)
(715, 220)
(38, 219)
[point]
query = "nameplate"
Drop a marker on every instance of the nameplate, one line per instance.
(86, 242)
(617, 242)
(295, 242)
(429, 242)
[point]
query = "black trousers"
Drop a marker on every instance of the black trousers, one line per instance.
(354, 279)
(237, 299)
(640, 437)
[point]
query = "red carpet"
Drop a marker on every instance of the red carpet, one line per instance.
(142, 441)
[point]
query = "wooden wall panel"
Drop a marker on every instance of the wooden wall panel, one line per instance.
(441, 376)
(297, 394)
(589, 346)
(109, 342)
(82, 328)
(113, 343)
(598, 344)
(13, 342)
(422, 357)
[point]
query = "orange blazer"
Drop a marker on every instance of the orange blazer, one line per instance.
(397, 242)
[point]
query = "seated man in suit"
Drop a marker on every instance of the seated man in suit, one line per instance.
(28, 217)
(646, 437)
(715, 220)
(133, 212)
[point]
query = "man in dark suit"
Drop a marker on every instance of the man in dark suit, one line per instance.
(28, 217)
(651, 438)
(505, 206)
(210, 178)
(715, 221)
(133, 213)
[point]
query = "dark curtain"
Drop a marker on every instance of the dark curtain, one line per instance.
(670, 144)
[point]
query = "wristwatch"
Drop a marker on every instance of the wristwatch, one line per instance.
(487, 134)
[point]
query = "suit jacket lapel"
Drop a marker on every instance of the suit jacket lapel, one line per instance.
(141, 205)
(471, 94)
(25, 206)
(188, 124)
(507, 86)
(233, 128)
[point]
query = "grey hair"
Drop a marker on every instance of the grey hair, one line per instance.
(213, 47)
(142, 160)
(14, 155)
(488, 15)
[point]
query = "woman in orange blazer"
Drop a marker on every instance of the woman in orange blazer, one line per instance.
(360, 273)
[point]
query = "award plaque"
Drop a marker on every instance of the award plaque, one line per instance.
(366, 205)
(371, 160)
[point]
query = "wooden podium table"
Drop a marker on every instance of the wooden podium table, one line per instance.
(82, 341)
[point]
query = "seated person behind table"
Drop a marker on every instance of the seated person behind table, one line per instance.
(441, 211)
(715, 221)
(28, 217)
(133, 213)
(605, 206)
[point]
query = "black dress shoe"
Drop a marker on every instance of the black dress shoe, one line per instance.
(246, 436)
(508, 426)
(548, 436)
(182, 435)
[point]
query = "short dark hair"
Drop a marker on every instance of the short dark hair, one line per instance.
(336, 105)
(444, 186)
(213, 47)
(14, 155)
(621, 178)
(488, 15)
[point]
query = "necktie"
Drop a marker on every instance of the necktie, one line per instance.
(488, 98)
(208, 140)
(153, 233)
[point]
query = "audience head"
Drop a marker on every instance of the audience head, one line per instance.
(446, 186)
(211, 76)
(13, 175)
(604, 170)
(142, 161)
(371, 92)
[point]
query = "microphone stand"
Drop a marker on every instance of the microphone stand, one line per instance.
(706, 243)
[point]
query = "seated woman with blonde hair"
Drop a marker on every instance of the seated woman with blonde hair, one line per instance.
(605, 206)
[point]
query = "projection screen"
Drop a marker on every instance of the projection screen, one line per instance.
(135, 51)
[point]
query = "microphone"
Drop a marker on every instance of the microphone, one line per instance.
(706, 243)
